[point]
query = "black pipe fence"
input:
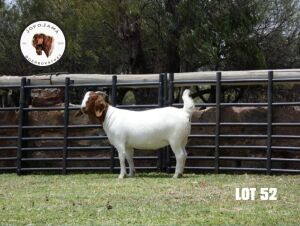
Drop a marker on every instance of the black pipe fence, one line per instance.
(17, 155)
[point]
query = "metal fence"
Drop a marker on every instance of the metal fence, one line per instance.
(163, 160)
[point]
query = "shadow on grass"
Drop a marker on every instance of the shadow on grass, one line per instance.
(153, 175)
(162, 175)
(106, 175)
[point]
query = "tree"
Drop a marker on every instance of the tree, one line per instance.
(278, 33)
(155, 36)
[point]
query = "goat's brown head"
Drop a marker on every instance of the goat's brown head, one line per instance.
(95, 104)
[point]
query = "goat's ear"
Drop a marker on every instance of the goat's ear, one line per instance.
(99, 107)
(104, 95)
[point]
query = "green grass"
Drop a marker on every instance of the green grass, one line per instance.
(147, 199)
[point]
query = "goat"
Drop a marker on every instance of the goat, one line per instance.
(149, 130)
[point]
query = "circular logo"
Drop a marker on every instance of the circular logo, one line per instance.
(42, 43)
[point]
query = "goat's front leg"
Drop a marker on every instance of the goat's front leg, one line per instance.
(180, 154)
(129, 157)
(121, 152)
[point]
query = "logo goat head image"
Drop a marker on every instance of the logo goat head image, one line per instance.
(42, 42)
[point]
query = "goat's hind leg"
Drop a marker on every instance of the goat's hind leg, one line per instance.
(129, 157)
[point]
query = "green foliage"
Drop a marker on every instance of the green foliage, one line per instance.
(143, 36)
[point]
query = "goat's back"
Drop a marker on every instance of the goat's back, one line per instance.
(148, 129)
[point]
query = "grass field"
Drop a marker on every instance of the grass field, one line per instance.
(147, 199)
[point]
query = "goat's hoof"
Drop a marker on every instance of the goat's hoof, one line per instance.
(122, 176)
(131, 174)
(178, 175)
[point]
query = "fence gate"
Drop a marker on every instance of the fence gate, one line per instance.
(25, 147)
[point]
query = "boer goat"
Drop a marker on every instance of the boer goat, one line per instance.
(150, 129)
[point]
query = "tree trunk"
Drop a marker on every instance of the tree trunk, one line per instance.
(173, 58)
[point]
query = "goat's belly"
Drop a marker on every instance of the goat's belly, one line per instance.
(146, 143)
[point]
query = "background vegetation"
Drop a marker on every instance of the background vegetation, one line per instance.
(153, 36)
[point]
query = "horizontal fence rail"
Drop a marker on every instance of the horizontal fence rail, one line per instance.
(18, 155)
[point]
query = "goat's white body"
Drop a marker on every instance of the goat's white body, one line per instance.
(151, 129)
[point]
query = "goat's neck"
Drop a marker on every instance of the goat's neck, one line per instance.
(108, 117)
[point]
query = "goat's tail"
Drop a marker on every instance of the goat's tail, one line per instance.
(188, 103)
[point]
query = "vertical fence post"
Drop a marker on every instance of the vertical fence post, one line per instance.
(218, 114)
(27, 95)
(27, 99)
(170, 103)
(166, 100)
(161, 91)
(113, 103)
(160, 104)
(166, 92)
(269, 118)
(66, 123)
(20, 126)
